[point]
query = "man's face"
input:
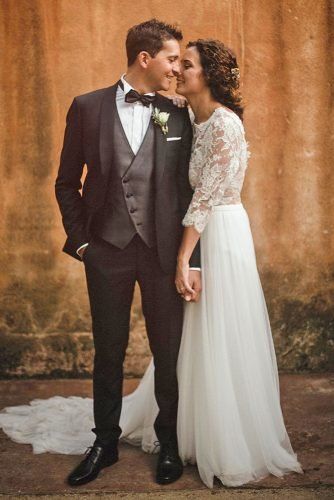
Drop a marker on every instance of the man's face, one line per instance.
(164, 66)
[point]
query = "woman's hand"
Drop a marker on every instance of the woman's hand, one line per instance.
(182, 281)
(188, 282)
(180, 102)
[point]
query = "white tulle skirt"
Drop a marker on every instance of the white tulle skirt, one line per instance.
(230, 421)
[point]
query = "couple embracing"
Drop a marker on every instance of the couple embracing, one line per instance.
(161, 206)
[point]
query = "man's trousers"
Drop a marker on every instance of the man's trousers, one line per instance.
(111, 275)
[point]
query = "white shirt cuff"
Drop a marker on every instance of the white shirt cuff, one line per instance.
(82, 246)
(195, 269)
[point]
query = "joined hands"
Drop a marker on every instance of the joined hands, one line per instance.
(188, 282)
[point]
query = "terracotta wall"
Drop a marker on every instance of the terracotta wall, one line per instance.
(52, 50)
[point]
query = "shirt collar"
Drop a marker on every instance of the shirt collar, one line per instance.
(127, 86)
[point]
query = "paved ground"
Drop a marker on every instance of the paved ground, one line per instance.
(308, 407)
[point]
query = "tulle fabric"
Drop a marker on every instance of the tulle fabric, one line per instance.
(63, 424)
(230, 421)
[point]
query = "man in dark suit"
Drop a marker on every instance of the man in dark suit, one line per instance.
(126, 227)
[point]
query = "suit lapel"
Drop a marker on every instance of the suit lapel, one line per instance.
(159, 146)
(108, 111)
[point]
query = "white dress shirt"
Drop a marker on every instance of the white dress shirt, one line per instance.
(135, 117)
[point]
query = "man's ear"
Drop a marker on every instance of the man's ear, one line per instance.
(143, 58)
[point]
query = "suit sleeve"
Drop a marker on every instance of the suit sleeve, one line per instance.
(185, 190)
(68, 182)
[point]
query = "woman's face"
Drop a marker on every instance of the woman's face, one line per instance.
(191, 78)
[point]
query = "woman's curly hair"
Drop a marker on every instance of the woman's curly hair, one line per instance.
(221, 72)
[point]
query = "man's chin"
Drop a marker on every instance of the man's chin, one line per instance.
(179, 91)
(165, 86)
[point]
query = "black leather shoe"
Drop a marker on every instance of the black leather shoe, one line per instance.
(170, 467)
(97, 457)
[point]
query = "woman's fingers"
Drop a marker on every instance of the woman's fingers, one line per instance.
(182, 282)
(183, 287)
(180, 102)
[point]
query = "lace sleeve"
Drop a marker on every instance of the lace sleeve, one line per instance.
(217, 172)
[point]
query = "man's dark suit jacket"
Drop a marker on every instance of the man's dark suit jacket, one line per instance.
(89, 140)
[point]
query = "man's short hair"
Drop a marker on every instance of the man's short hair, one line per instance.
(149, 37)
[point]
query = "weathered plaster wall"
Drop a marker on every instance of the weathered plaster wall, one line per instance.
(52, 50)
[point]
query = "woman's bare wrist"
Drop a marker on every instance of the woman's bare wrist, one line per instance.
(182, 260)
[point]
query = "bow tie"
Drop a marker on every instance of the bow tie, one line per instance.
(134, 96)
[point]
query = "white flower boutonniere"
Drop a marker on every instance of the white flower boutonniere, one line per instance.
(161, 118)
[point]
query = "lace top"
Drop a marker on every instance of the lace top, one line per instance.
(217, 165)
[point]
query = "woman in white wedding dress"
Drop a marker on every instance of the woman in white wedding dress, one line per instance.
(230, 421)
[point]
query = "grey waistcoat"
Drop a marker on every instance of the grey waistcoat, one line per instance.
(129, 205)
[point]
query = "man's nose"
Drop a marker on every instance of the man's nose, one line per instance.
(176, 68)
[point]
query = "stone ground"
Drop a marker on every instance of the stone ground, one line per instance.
(308, 406)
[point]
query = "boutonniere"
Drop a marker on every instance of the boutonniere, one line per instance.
(161, 118)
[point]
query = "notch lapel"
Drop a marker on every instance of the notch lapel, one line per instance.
(108, 109)
(159, 146)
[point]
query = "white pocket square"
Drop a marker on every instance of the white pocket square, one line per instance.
(173, 138)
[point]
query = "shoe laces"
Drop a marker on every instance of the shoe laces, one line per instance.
(89, 449)
(90, 453)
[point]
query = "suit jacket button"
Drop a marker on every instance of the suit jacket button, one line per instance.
(128, 195)
(139, 224)
(133, 210)
(125, 181)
